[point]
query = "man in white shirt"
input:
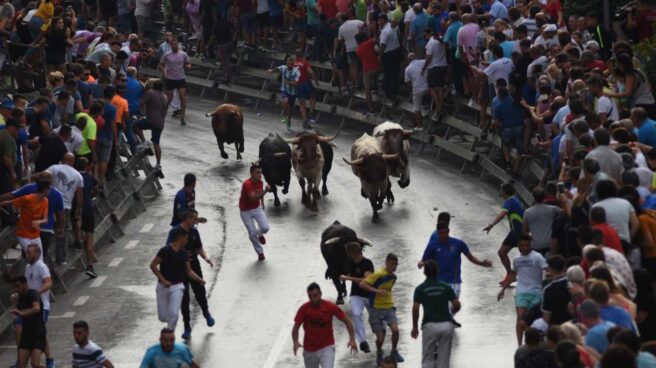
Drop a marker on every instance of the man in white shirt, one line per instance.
(416, 79)
(346, 37)
(606, 107)
(390, 55)
(536, 53)
(38, 278)
(500, 68)
(436, 63)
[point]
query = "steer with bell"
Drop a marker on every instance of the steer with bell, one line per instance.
(393, 140)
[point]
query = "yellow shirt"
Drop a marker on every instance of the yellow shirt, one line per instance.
(45, 11)
(385, 280)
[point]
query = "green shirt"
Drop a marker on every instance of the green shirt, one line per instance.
(434, 296)
(7, 146)
(312, 14)
(361, 10)
(88, 133)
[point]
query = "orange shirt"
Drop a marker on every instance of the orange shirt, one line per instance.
(31, 208)
(121, 106)
(648, 227)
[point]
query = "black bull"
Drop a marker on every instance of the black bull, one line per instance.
(275, 160)
(333, 249)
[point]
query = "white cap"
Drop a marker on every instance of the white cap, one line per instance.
(591, 45)
(551, 28)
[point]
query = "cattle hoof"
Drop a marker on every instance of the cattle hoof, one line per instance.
(305, 201)
(340, 300)
(404, 184)
(324, 191)
(375, 219)
(314, 208)
(285, 191)
(238, 156)
(224, 155)
(276, 203)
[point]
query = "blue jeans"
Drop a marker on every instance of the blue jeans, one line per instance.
(34, 27)
(129, 134)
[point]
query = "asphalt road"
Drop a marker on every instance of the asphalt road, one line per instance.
(254, 302)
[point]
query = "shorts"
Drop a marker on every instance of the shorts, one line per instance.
(103, 149)
(262, 19)
(30, 342)
(378, 318)
(352, 57)
(437, 77)
(247, 21)
(324, 358)
(511, 239)
(156, 133)
(513, 138)
(305, 90)
(172, 84)
(418, 101)
(341, 62)
(275, 21)
(291, 99)
(88, 221)
(527, 300)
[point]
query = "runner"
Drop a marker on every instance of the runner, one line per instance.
(195, 248)
(29, 309)
(171, 266)
(251, 210)
(382, 310)
(185, 199)
(316, 317)
(513, 209)
(33, 209)
(360, 269)
(437, 325)
(168, 353)
(155, 103)
(172, 65)
(85, 352)
(288, 87)
(87, 223)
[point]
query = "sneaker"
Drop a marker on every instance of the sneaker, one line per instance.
(364, 347)
(379, 358)
(50, 363)
(260, 257)
(307, 126)
(182, 121)
(395, 354)
(456, 324)
(160, 174)
(91, 272)
(506, 280)
(209, 320)
(262, 239)
(176, 113)
(186, 335)
(284, 121)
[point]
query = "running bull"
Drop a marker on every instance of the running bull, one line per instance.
(228, 126)
(393, 139)
(311, 164)
(333, 249)
(370, 164)
(275, 159)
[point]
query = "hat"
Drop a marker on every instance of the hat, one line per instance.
(591, 45)
(550, 28)
(7, 104)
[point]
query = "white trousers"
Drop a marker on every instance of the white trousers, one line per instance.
(169, 300)
(25, 242)
(358, 305)
(324, 358)
(257, 225)
(436, 336)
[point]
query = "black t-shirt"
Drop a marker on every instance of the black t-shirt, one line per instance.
(222, 32)
(52, 152)
(555, 300)
(537, 358)
(34, 122)
(193, 241)
(358, 270)
(647, 304)
(32, 325)
(173, 266)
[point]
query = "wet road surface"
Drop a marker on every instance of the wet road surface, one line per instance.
(254, 302)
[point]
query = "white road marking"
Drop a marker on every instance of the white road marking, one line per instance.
(80, 301)
(97, 282)
(7, 346)
(131, 244)
(65, 315)
(146, 228)
(115, 262)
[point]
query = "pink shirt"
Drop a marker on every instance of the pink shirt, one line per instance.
(467, 39)
(174, 63)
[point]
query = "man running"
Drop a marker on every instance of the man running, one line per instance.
(513, 209)
(185, 198)
(171, 266)
(437, 326)
(172, 65)
(360, 269)
(446, 252)
(382, 310)
(316, 316)
(168, 353)
(251, 211)
(85, 352)
(195, 248)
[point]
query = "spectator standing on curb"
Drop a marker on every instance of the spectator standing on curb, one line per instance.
(316, 317)
(171, 266)
(154, 103)
(390, 55)
(87, 223)
(168, 353)
(33, 209)
(416, 80)
(288, 88)
(86, 353)
(38, 278)
(437, 325)
(173, 65)
(538, 221)
(8, 152)
(33, 334)
(251, 200)
(382, 310)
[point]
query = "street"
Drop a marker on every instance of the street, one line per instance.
(254, 302)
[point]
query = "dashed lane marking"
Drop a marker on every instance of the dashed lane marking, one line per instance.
(80, 301)
(65, 315)
(97, 282)
(115, 262)
(131, 244)
(146, 228)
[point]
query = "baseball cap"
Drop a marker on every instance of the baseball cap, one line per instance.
(550, 28)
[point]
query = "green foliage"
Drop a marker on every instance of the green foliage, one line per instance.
(645, 51)
(579, 7)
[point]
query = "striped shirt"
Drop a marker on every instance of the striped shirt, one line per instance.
(289, 75)
(88, 356)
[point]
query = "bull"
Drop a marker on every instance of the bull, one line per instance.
(275, 160)
(308, 161)
(393, 139)
(333, 249)
(370, 164)
(228, 127)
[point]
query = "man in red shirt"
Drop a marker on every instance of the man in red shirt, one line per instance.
(329, 8)
(366, 52)
(598, 222)
(251, 211)
(316, 316)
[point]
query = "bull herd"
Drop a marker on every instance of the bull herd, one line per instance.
(373, 158)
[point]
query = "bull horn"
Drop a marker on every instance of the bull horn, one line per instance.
(292, 140)
(211, 113)
(328, 139)
(408, 132)
(354, 162)
(390, 156)
(365, 241)
(280, 154)
(332, 240)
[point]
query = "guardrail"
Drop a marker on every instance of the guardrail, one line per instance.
(122, 198)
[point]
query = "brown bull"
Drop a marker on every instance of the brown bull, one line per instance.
(228, 126)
